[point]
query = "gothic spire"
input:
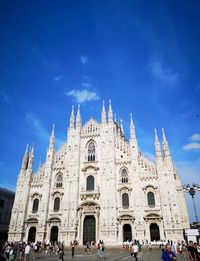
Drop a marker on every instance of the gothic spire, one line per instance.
(157, 145)
(165, 146)
(52, 138)
(132, 128)
(31, 157)
(110, 113)
(25, 159)
(121, 126)
(71, 125)
(103, 114)
(78, 118)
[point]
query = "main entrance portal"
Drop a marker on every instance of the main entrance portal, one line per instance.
(127, 232)
(54, 234)
(154, 231)
(89, 229)
(31, 234)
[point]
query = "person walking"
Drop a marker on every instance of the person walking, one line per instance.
(191, 250)
(168, 255)
(72, 248)
(134, 250)
(27, 252)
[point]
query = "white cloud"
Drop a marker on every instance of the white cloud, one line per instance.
(57, 78)
(192, 146)
(163, 74)
(84, 59)
(195, 137)
(83, 95)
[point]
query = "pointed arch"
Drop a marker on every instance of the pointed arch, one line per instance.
(59, 180)
(125, 200)
(57, 204)
(35, 205)
(150, 198)
(91, 151)
(124, 175)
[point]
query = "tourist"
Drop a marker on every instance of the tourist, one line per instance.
(168, 255)
(196, 252)
(27, 252)
(191, 250)
(134, 251)
(72, 247)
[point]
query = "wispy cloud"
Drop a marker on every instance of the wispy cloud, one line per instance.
(82, 96)
(192, 146)
(58, 78)
(5, 97)
(162, 73)
(195, 137)
(86, 84)
(84, 59)
(37, 129)
(195, 144)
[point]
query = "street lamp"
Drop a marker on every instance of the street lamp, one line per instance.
(192, 189)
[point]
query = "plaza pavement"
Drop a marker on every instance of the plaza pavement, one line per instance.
(111, 254)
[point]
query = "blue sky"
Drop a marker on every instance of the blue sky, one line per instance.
(143, 55)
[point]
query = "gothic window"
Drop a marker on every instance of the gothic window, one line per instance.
(125, 200)
(35, 205)
(151, 199)
(91, 151)
(124, 176)
(56, 204)
(90, 183)
(59, 180)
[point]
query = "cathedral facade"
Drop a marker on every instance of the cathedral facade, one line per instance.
(98, 185)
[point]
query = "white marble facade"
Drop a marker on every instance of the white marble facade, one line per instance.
(98, 185)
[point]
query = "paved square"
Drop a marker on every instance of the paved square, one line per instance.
(111, 254)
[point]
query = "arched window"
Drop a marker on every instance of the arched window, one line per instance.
(35, 205)
(56, 204)
(151, 199)
(124, 176)
(59, 180)
(91, 151)
(90, 183)
(125, 200)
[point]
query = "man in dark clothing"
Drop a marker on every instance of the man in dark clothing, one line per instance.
(168, 255)
(191, 251)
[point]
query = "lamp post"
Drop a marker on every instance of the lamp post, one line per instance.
(192, 189)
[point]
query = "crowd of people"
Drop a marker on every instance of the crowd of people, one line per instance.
(20, 251)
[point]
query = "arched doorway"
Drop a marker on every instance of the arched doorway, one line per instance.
(127, 232)
(89, 229)
(54, 234)
(32, 234)
(154, 232)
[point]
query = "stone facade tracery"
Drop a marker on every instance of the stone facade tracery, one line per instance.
(117, 166)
